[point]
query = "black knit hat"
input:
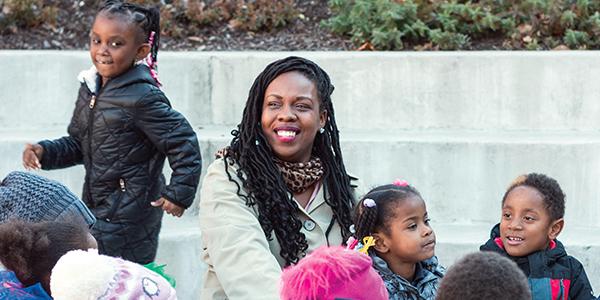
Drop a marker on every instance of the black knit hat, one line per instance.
(34, 198)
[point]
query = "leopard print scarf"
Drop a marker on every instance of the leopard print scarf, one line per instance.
(300, 176)
(297, 176)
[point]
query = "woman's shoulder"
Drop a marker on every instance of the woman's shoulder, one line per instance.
(221, 175)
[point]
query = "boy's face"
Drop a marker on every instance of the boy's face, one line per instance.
(526, 226)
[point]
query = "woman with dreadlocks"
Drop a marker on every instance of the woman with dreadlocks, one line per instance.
(122, 129)
(280, 189)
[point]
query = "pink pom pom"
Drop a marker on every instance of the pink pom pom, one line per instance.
(400, 182)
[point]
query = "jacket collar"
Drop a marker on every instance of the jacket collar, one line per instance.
(2, 267)
(137, 74)
(425, 271)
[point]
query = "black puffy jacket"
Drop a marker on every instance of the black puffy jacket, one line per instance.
(122, 133)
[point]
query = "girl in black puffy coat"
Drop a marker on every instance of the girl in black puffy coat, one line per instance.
(122, 129)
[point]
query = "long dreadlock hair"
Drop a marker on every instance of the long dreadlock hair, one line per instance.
(262, 180)
(147, 18)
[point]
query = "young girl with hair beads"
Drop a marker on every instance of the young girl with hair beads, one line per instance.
(392, 227)
(29, 251)
(123, 127)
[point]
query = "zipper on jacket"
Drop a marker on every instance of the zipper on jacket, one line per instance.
(122, 184)
(90, 124)
(92, 101)
(115, 205)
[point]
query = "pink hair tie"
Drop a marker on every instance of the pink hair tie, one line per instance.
(400, 182)
(151, 63)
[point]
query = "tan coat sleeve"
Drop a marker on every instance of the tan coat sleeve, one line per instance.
(240, 263)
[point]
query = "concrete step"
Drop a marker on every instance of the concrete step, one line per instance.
(461, 174)
(381, 90)
(180, 249)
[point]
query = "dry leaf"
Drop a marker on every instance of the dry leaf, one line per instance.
(196, 39)
(366, 47)
(561, 47)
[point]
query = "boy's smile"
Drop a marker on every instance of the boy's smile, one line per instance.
(525, 225)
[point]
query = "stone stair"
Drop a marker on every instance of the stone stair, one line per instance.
(459, 126)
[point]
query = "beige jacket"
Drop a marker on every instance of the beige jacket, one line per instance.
(242, 263)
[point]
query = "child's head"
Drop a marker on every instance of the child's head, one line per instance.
(31, 250)
(112, 278)
(332, 273)
(532, 214)
(122, 34)
(484, 275)
(396, 216)
(33, 198)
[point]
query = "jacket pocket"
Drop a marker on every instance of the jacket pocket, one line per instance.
(116, 201)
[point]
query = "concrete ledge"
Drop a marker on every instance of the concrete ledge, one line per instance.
(180, 249)
(380, 90)
(462, 175)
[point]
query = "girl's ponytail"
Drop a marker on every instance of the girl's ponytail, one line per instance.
(153, 15)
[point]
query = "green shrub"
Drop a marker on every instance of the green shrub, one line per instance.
(456, 24)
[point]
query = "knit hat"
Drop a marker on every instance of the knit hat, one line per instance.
(34, 198)
(330, 273)
(112, 278)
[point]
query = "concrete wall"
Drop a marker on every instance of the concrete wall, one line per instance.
(458, 125)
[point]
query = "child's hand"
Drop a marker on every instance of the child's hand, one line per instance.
(168, 206)
(32, 154)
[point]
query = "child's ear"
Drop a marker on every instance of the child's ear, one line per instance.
(380, 243)
(555, 228)
(142, 51)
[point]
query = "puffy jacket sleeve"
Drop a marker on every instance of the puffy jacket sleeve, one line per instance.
(172, 135)
(63, 152)
(580, 288)
(240, 263)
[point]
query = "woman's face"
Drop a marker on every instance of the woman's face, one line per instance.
(291, 116)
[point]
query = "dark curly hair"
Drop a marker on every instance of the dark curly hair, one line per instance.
(553, 196)
(484, 275)
(368, 220)
(261, 178)
(31, 250)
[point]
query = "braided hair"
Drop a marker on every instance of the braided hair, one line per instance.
(146, 18)
(368, 220)
(262, 180)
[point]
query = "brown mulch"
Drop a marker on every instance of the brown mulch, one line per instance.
(75, 18)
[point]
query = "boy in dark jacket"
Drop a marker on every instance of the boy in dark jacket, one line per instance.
(122, 129)
(533, 208)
